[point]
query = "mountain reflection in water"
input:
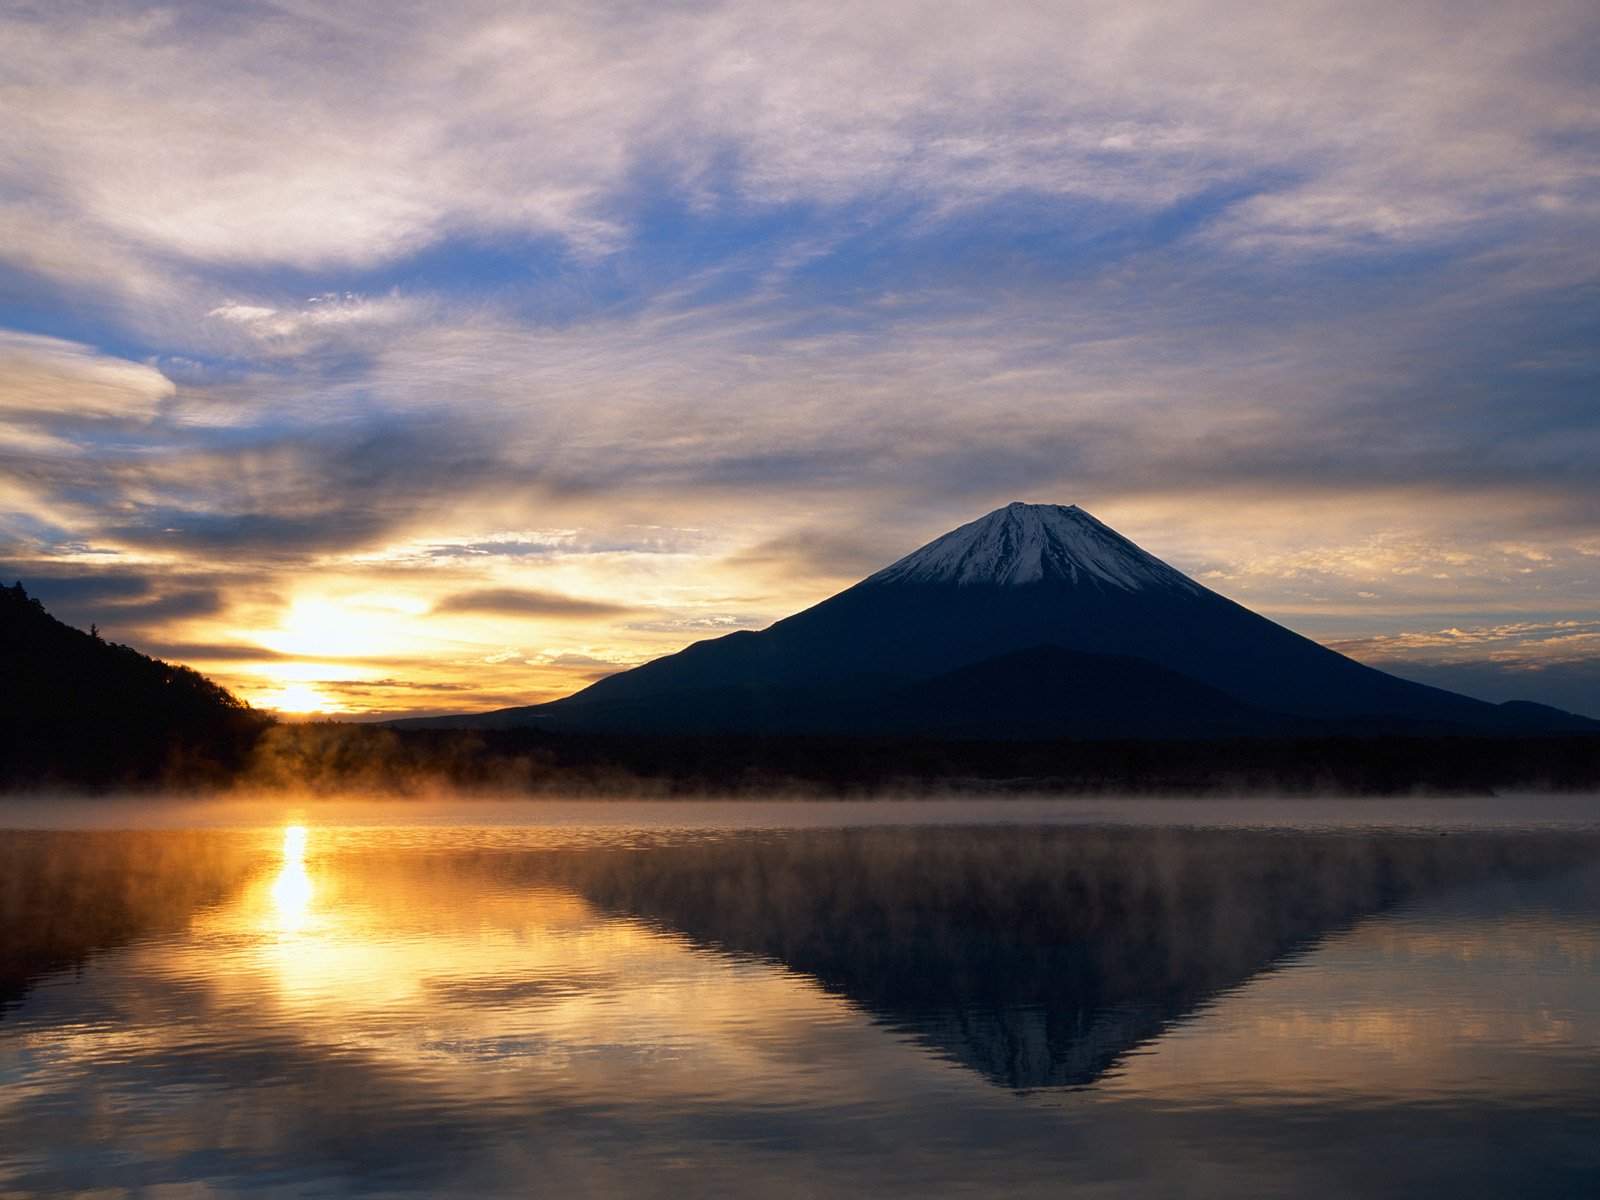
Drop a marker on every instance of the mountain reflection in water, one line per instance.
(911, 1010)
(65, 894)
(1036, 957)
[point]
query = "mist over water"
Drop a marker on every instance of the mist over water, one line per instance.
(1029, 997)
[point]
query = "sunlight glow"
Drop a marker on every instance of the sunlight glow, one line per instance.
(279, 674)
(300, 698)
(339, 628)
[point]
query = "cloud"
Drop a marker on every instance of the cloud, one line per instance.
(127, 600)
(242, 314)
(1569, 684)
(1517, 643)
(357, 135)
(524, 602)
(823, 552)
(212, 652)
(50, 381)
(315, 324)
(1555, 662)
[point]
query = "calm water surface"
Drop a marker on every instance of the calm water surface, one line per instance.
(905, 999)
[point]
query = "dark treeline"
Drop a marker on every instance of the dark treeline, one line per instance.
(77, 710)
(332, 755)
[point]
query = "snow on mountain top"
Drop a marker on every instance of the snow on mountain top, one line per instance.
(1031, 543)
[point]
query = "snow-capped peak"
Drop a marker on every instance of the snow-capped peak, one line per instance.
(1032, 543)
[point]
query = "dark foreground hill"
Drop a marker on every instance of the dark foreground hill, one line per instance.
(1034, 621)
(78, 710)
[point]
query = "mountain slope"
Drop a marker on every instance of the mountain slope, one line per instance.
(1022, 576)
(1050, 692)
(1040, 692)
(77, 709)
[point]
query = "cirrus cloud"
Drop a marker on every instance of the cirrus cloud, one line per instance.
(526, 602)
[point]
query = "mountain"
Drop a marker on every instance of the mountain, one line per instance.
(77, 709)
(1009, 592)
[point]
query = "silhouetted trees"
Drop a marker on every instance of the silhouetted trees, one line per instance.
(76, 709)
(329, 756)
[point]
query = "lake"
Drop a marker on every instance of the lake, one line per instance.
(1020, 997)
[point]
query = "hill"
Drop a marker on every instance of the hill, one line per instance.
(76, 709)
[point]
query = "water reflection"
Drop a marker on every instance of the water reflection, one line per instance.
(851, 1012)
(65, 895)
(1038, 957)
(1493, 1002)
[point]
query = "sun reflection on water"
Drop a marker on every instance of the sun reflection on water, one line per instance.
(292, 890)
(437, 965)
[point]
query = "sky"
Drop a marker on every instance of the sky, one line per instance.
(380, 358)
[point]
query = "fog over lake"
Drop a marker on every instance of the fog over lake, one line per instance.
(1028, 997)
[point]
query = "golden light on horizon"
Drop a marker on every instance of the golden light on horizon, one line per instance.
(300, 698)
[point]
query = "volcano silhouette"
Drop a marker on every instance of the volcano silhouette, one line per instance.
(1034, 621)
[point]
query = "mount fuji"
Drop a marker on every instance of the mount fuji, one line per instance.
(1036, 620)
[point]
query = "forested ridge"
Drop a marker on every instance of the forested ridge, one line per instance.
(76, 709)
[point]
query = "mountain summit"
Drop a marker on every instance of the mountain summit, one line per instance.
(1033, 621)
(1035, 543)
